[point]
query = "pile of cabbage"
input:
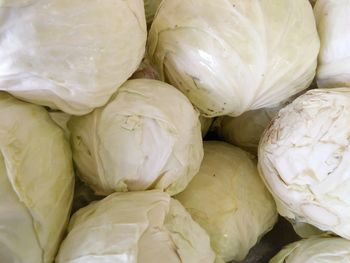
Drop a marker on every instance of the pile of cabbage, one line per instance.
(174, 131)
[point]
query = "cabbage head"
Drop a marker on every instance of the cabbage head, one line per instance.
(304, 160)
(315, 250)
(229, 200)
(231, 56)
(69, 55)
(135, 227)
(36, 183)
(333, 20)
(148, 136)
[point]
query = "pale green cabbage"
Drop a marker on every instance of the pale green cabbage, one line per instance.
(333, 20)
(231, 56)
(229, 200)
(245, 130)
(69, 55)
(147, 136)
(135, 227)
(36, 183)
(315, 250)
(304, 160)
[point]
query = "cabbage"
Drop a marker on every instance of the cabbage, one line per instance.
(150, 9)
(305, 230)
(304, 160)
(36, 183)
(315, 250)
(69, 55)
(333, 22)
(229, 200)
(135, 227)
(245, 130)
(231, 56)
(147, 136)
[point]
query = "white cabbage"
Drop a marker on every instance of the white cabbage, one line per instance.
(147, 136)
(69, 55)
(333, 20)
(304, 160)
(229, 200)
(315, 250)
(151, 7)
(135, 227)
(36, 183)
(231, 56)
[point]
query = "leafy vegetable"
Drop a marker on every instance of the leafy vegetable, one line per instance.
(315, 250)
(69, 55)
(231, 56)
(147, 136)
(229, 200)
(333, 21)
(303, 159)
(135, 227)
(36, 183)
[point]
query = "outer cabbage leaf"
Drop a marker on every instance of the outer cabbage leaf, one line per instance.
(61, 119)
(229, 200)
(135, 227)
(69, 55)
(304, 159)
(315, 250)
(36, 183)
(333, 20)
(231, 56)
(147, 136)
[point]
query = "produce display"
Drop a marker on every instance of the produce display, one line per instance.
(180, 131)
